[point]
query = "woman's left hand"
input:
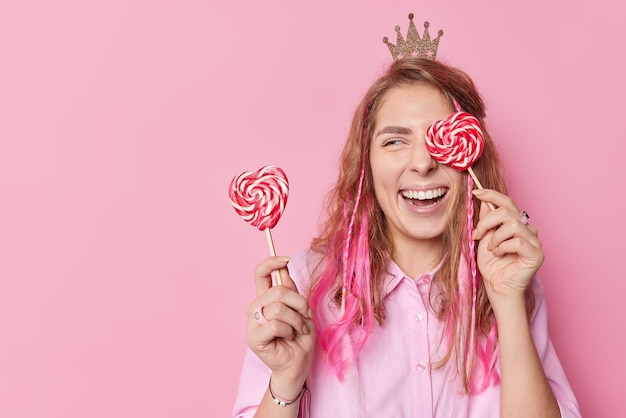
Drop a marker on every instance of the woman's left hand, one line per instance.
(509, 252)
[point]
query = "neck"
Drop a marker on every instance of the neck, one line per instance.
(418, 257)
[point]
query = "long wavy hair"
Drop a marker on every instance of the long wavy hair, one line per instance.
(356, 248)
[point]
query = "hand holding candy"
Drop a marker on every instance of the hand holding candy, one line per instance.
(457, 142)
(259, 198)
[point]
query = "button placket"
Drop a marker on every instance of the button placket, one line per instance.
(419, 317)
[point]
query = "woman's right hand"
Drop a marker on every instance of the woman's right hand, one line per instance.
(285, 342)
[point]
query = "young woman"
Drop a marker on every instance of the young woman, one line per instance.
(410, 303)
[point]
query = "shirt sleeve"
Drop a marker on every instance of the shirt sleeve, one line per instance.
(252, 386)
(551, 364)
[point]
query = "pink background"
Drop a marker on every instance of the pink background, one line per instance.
(125, 273)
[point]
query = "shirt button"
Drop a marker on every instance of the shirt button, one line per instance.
(420, 367)
(426, 278)
(419, 317)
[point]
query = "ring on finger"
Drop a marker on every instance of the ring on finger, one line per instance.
(258, 316)
(525, 217)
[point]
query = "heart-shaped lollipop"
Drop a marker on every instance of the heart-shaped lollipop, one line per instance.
(457, 141)
(260, 197)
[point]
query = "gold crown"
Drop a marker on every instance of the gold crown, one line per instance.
(414, 45)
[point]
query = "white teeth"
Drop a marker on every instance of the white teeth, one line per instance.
(424, 195)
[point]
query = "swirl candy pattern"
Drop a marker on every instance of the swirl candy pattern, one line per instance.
(260, 197)
(457, 141)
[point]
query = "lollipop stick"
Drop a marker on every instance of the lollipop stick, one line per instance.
(480, 186)
(270, 243)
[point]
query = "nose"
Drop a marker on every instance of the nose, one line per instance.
(422, 162)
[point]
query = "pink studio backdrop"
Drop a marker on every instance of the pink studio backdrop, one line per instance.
(125, 273)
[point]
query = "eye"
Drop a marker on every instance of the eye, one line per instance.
(392, 141)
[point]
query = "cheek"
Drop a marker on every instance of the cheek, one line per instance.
(386, 167)
(385, 180)
(380, 187)
(458, 191)
(377, 171)
(383, 186)
(456, 177)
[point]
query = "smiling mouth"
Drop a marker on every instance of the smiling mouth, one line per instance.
(424, 198)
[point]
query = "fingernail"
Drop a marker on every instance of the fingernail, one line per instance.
(283, 259)
(310, 313)
(305, 329)
(478, 192)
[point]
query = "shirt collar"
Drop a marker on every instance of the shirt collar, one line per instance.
(395, 275)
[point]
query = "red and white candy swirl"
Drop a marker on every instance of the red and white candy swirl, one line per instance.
(457, 141)
(260, 197)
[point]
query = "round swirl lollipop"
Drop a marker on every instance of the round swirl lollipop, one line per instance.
(260, 197)
(457, 142)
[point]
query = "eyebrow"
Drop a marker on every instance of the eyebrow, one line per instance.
(399, 130)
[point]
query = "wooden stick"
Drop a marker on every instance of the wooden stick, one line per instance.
(480, 186)
(270, 243)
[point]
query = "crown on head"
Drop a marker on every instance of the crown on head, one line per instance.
(414, 45)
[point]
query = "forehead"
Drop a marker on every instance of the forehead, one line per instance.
(419, 101)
